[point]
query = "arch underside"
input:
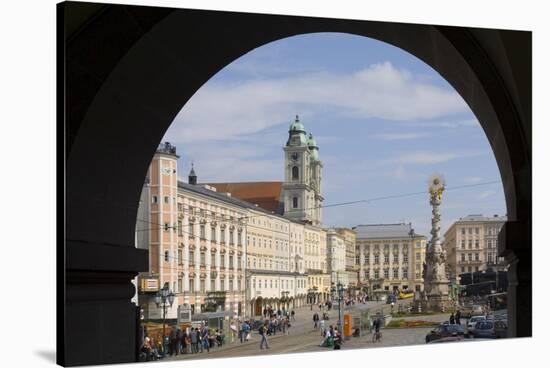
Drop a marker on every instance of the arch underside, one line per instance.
(120, 102)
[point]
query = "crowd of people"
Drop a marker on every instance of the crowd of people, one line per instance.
(455, 318)
(274, 321)
(181, 341)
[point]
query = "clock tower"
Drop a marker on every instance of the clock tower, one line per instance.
(301, 192)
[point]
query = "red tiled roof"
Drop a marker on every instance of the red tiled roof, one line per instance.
(265, 194)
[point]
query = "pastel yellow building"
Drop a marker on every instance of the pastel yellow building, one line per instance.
(387, 257)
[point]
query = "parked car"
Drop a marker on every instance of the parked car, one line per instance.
(445, 330)
(472, 323)
(484, 329)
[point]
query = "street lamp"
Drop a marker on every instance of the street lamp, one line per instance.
(164, 297)
(340, 297)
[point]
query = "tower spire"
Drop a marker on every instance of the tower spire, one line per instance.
(192, 176)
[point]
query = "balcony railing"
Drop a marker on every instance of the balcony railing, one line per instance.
(166, 147)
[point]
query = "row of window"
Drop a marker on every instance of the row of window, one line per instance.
(268, 224)
(279, 265)
(315, 265)
(285, 284)
(202, 285)
(202, 258)
(191, 210)
(470, 242)
(470, 230)
(395, 247)
(471, 257)
(476, 230)
(386, 273)
(386, 258)
(278, 244)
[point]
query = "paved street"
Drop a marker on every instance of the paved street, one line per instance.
(303, 338)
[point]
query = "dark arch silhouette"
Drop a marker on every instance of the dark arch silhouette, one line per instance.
(129, 70)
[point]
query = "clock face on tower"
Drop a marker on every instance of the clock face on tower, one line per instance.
(294, 156)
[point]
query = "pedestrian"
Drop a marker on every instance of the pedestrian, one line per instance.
(457, 317)
(452, 319)
(200, 331)
(194, 341)
(173, 341)
(322, 327)
(179, 349)
(206, 339)
(166, 345)
(263, 334)
(184, 342)
(292, 315)
(337, 339)
(247, 331)
(315, 320)
(187, 346)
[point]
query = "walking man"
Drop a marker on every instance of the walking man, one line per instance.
(292, 315)
(263, 334)
(457, 317)
(206, 339)
(194, 341)
(315, 320)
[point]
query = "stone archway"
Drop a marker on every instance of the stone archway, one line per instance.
(121, 101)
(259, 306)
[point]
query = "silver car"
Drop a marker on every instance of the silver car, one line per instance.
(472, 323)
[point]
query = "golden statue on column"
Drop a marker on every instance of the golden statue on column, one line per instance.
(436, 282)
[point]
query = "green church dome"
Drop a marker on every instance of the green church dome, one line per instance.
(296, 126)
(311, 142)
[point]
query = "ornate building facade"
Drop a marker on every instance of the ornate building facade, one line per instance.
(202, 241)
(390, 257)
(471, 245)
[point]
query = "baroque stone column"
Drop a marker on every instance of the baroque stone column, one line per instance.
(436, 283)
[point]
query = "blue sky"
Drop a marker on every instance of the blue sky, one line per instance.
(383, 119)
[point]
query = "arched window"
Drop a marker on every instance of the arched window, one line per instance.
(294, 202)
(295, 173)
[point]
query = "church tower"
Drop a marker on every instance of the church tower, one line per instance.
(301, 193)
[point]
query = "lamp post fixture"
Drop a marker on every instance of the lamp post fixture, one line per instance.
(164, 297)
(340, 290)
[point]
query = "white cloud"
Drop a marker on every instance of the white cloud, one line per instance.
(397, 173)
(473, 180)
(226, 111)
(426, 158)
(429, 157)
(399, 136)
(486, 194)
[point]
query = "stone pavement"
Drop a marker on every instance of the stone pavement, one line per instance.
(303, 338)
